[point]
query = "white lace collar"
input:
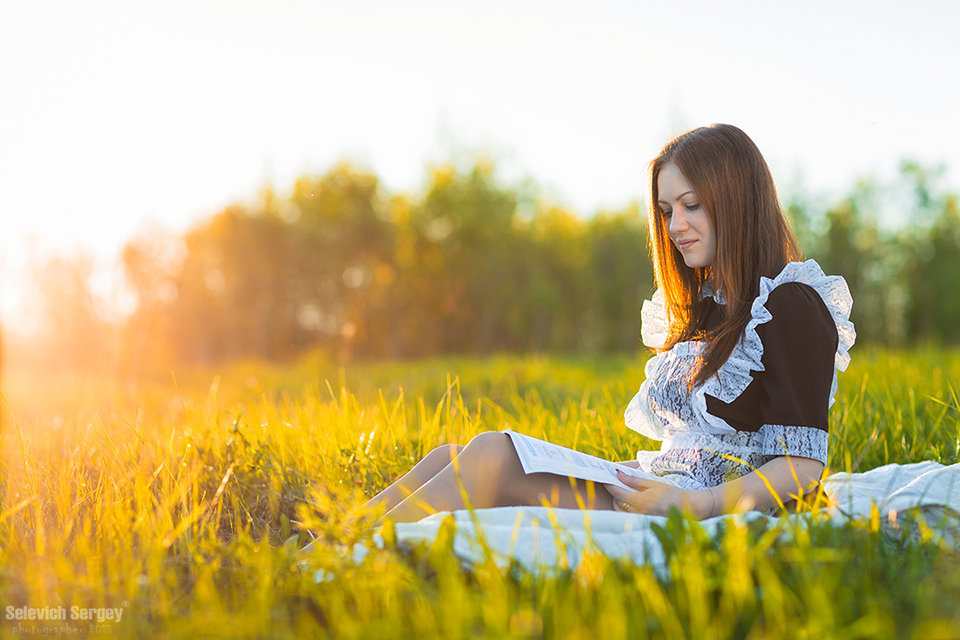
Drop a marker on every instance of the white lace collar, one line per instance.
(706, 291)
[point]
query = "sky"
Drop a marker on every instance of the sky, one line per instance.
(121, 117)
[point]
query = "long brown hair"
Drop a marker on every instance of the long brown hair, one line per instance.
(734, 186)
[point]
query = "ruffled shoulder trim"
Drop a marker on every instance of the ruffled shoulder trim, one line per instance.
(654, 323)
(733, 377)
(834, 292)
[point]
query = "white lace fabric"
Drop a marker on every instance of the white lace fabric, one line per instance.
(666, 409)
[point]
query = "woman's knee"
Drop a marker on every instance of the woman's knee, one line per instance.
(491, 455)
(489, 444)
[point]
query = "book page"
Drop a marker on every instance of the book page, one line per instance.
(540, 456)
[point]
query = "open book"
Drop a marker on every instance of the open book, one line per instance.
(540, 456)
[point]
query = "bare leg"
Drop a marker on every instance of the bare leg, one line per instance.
(429, 466)
(491, 476)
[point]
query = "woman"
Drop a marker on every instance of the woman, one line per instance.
(749, 340)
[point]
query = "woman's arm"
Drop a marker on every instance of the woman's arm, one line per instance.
(783, 477)
(786, 478)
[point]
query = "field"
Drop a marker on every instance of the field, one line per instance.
(184, 501)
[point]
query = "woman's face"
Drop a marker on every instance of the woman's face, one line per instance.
(688, 224)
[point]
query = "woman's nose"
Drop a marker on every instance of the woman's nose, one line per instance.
(678, 222)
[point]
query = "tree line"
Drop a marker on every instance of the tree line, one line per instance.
(474, 265)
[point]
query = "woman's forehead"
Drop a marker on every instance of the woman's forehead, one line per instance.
(672, 184)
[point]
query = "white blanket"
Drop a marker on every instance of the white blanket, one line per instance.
(540, 538)
(895, 487)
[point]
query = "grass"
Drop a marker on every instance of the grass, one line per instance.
(185, 500)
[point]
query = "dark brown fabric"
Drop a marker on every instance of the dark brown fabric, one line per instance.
(799, 346)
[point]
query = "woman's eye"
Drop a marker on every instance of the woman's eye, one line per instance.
(667, 214)
(693, 207)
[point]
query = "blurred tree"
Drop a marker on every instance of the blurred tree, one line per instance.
(70, 332)
(150, 262)
(854, 246)
(343, 238)
(233, 295)
(931, 271)
(466, 233)
(798, 211)
(559, 282)
(621, 277)
(268, 280)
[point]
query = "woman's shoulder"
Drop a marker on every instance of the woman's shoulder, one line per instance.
(803, 277)
(797, 299)
(805, 285)
(804, 295)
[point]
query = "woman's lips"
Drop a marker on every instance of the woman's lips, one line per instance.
(685, 244)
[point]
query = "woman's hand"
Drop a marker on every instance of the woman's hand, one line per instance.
(656, 498)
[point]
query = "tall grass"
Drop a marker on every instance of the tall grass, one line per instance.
(186, 500)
